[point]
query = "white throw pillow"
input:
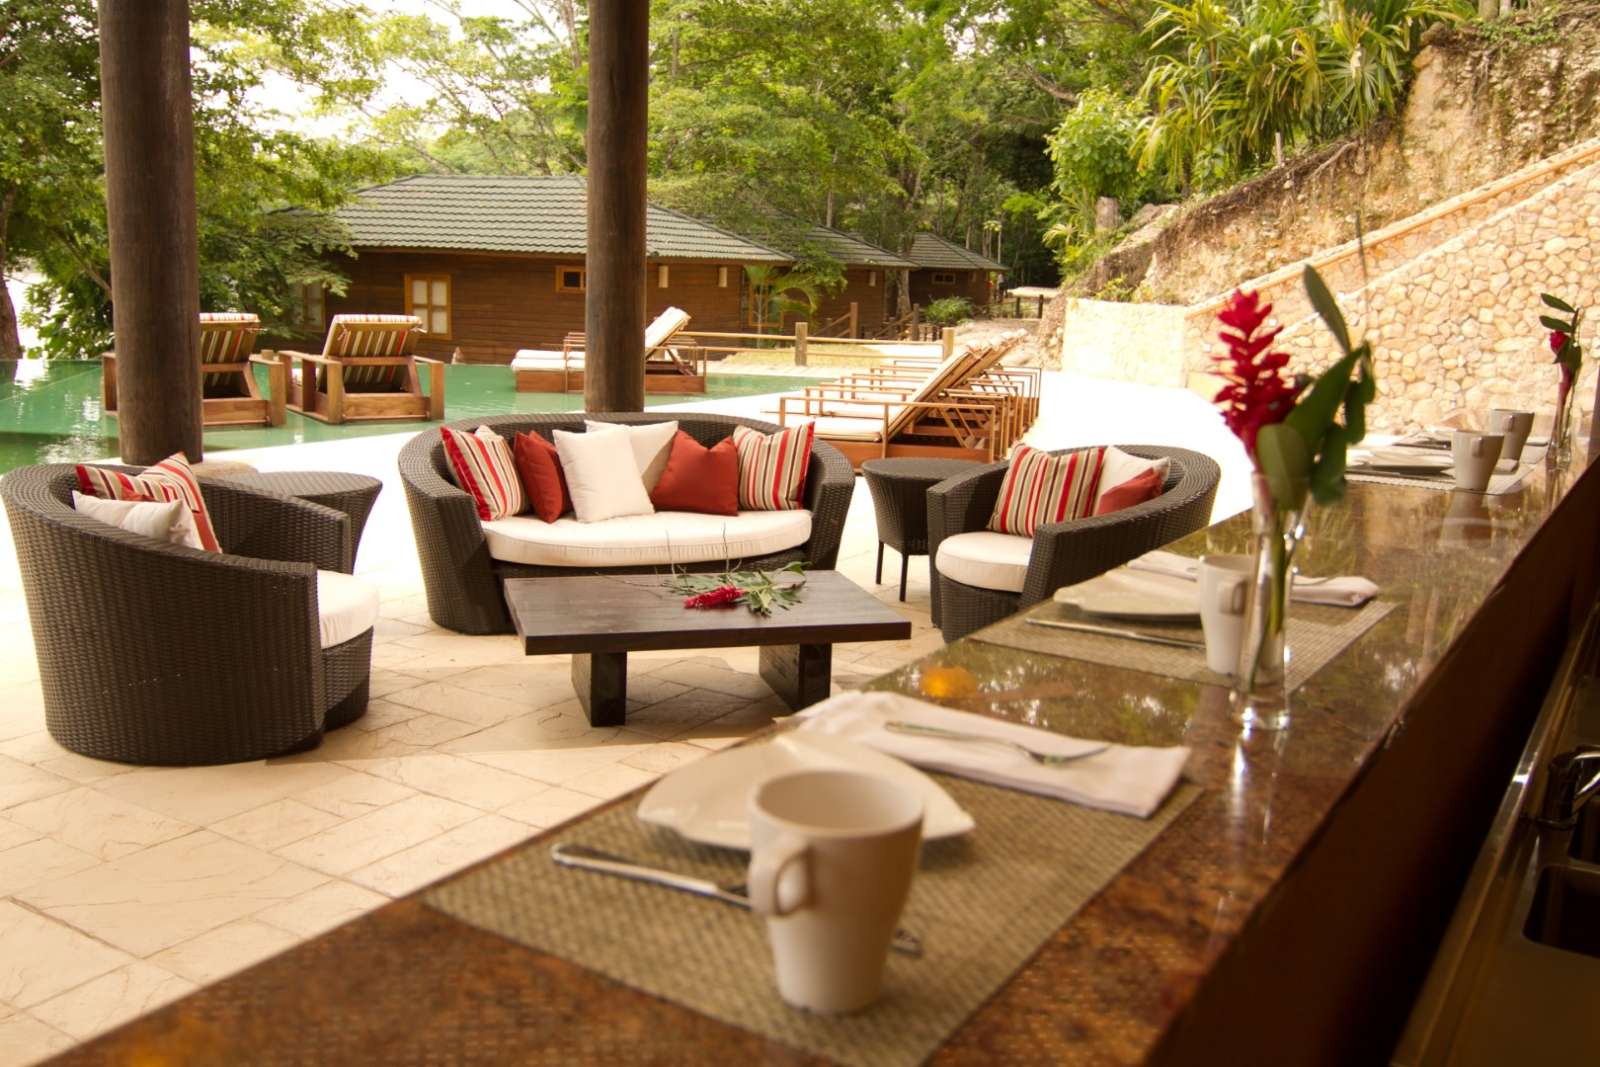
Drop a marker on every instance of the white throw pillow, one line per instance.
(602, 475)
(163, 520)
(652, 446)
(1121, 467)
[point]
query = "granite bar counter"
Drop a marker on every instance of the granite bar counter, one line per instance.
(1287, 916)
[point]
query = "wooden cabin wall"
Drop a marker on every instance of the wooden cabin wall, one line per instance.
(871, 301)
(502, 303)
(972, 284)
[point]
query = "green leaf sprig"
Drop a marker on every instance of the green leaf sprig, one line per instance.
(1568, 353)
(1306, 452)
(759, 590)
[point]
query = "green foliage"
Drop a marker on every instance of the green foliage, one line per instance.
(1570, 354)
(776, 294)
(1093, 152)
(948, 311)
(757, 590)
(1234, 85)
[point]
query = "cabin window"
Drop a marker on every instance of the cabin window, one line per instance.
(944, 277)
(307, 306)
(428, 298)
(722, 277)
(571, 279)
(661, 277)
(872, 279)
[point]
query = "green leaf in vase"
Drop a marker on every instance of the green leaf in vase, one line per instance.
(1326, 306)
(1550, 322)
(1327, 477)
(1285, 461)
(1317, 408)
(1557, 303)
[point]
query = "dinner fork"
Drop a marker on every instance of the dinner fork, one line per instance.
(1045, 758)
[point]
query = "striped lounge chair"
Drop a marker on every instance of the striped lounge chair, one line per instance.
(229, 393)
(368, 369)
(673, 361)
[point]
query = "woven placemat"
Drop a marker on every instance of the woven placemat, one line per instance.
(1317, 633)
(982, 904)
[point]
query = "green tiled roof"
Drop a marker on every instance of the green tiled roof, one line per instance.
(929, 251)
(853, 251)
(508, 213)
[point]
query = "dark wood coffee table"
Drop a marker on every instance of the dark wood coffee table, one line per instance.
(599, 619)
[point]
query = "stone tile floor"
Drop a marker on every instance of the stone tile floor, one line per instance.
(123, 887)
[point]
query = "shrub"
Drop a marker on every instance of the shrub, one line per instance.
(949, 310)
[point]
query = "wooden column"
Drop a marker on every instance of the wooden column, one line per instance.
(614, 305)
(147, 108)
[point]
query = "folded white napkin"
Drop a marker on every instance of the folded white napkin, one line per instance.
(1125, 779)
(1347, 592)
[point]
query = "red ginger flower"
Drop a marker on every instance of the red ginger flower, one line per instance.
(1558, 341)
(722, 596)
(1258, 393)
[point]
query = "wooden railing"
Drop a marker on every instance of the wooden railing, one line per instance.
(802, 341)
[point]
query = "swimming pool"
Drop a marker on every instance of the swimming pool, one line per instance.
(50, 410)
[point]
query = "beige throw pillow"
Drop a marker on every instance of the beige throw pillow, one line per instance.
(651, 442)
(602, 475)
(163, 520)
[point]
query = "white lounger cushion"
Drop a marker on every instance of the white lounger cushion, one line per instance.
(985, 559)
(346, 607)
(839, 428)
(545, 359)
(644, 540)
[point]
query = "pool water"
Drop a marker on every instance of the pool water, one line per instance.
(50, 411)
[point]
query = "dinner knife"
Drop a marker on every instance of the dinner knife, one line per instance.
(1115, 631)
(582, 857)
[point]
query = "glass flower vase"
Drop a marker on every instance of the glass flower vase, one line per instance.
(1559, 454)
(1261, 689)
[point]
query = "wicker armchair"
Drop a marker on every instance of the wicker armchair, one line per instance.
(463, 581)
(161, 654)
(1067, 552)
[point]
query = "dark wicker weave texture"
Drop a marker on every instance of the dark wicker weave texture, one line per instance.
(156, 653)
(353, 494)
(463, 582)
(1067, 552)
(899, 487)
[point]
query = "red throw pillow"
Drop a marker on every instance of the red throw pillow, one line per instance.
(1136, 490)
(698, 478)
(539, 467)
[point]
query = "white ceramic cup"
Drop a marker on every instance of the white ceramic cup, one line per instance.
(1224, 585)
(831, 860)
(1475, 455)
(1515, 426)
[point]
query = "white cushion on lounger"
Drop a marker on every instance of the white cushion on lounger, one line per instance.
(543, 359)
(644, 540)
(346, 607)
(835, 428)
(986, 559)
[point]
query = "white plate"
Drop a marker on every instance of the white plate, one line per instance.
(1130, 594)
(1403, 460)
(709, 800)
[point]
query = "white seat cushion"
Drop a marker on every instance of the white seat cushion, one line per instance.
(645, 540)
(544, 359)
(346, 607)
(986, 559)
(838, 428)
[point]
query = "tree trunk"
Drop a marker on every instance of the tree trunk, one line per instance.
(614, 303)
(10, 343)
(148, 109)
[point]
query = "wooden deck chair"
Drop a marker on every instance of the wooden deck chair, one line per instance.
(928, 420)
(368, 369)
(674, 361)
(229, 393)
(986, 376)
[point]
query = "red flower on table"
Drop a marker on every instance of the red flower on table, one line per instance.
(1258, 392)
(720, 597)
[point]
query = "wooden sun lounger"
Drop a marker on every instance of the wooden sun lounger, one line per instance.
(669, 365)
(368, 370)
(229, 394)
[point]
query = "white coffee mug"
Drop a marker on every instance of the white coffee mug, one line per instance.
(1515, 426)
(831, 861)
(1224, 585)
(1474, 455)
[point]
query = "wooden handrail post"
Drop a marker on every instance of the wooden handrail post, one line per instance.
(800, 344)
(947, 341)
(855, 319)
(148, 119)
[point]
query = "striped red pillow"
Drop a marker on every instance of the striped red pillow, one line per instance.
(171, 479)
(485, 467)
(772, 467)
(1040, 488)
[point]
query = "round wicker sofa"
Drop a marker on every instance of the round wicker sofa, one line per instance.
(158, 653)
(463, 580)
(1063, 553)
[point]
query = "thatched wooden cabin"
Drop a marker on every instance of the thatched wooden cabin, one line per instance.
(945, 269)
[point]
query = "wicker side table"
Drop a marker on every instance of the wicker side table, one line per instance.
(352, 494)
(899, 490)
